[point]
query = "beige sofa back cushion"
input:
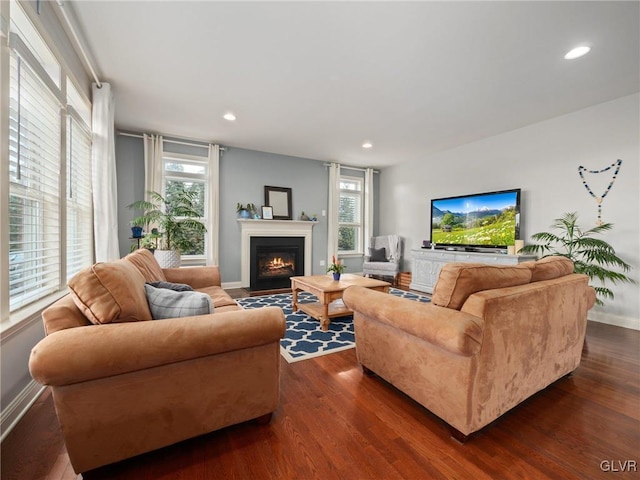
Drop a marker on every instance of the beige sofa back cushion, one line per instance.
(457, 281)
(147, 265)
(111, 292)
(548, 268)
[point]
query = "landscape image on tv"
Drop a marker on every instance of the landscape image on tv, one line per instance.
(489, 219)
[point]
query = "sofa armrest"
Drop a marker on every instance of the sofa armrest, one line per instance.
(197, 277)
(87, 353)
(452, 330)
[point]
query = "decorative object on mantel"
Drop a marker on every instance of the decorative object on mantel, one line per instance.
(304, 217)
(267, 213)
(175, 215)
(279, 198)
(617, 164)
(336, 268)
(249, 211)
(589, 255)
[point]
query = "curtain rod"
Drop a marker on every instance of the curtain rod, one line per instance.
(76, 39)
(177, 142)
(347, 167)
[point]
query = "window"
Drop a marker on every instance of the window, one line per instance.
(49, 192)
(350, 216)
(34, 176)
(188, 173)
(79, 195)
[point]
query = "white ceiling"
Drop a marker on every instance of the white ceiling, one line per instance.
(317, 79)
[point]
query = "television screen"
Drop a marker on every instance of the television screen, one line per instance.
(486, 220)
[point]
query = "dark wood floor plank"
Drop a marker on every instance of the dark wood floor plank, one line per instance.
(334, 422)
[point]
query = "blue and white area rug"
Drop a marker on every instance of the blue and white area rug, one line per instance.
(304, 338)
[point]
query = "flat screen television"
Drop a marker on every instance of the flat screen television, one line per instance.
(475, 222)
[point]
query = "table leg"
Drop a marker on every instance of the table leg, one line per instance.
(294, 299)
(324, 320)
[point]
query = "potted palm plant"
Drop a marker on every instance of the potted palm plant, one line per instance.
(175, 218)
(592, 256)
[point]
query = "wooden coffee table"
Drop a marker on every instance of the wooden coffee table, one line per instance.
(328, 291)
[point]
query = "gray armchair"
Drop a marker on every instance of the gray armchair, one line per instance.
(383, 259)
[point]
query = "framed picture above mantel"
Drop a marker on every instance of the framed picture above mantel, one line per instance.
(279, 199)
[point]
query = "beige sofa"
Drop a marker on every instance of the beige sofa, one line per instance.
(491, 337)
(130, 384)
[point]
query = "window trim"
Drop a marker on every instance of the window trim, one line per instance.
(205, 178)
(359, 251)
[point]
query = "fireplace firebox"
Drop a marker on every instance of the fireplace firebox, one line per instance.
(273, 260)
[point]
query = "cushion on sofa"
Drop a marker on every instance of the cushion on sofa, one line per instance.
(176, 287)
(166, 303)
(378, 254)
(219, 296)
(110, 292)
(548, 268)
(457, 281)
(147, 265)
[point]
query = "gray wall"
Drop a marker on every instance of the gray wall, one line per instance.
(543, 160)
(130, 175)
(243, 176)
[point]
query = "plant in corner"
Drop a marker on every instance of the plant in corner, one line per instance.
(592, 256)
(175, 217)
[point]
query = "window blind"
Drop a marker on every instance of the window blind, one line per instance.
(79, 195)
(34, 191)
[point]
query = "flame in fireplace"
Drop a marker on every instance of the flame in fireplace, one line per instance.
(277, 266)
(277, 262)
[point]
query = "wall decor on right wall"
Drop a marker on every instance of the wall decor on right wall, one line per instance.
(581, 170)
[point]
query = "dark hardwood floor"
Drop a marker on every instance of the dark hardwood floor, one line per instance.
(333, 422)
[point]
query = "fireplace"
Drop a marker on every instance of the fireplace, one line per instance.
(273, 260)
(250, 228)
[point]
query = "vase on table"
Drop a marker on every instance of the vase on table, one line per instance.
(336, 276)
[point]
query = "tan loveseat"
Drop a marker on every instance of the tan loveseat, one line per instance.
(130, 384)
(491, 337)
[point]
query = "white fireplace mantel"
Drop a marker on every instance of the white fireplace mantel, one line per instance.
(273, 228)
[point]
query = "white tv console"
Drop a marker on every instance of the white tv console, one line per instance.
(427, 264)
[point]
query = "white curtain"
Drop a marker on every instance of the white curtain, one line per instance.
(105, 192)
(368, 209)
(213, 205)
(332, 216)
(153, 152)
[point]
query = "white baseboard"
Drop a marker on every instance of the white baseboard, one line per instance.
(617, 320)
(10, 416)
(230, 285)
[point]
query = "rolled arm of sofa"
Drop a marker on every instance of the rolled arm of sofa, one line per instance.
(197, 277)
(452, 330)
(86, 353)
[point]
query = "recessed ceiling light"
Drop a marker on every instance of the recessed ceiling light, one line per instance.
(577, 52)
(367, 145)
(229, 116)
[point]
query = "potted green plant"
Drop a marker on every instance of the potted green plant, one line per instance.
(248, 211)
(336, 267)
(175, 217)
(592, 256)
